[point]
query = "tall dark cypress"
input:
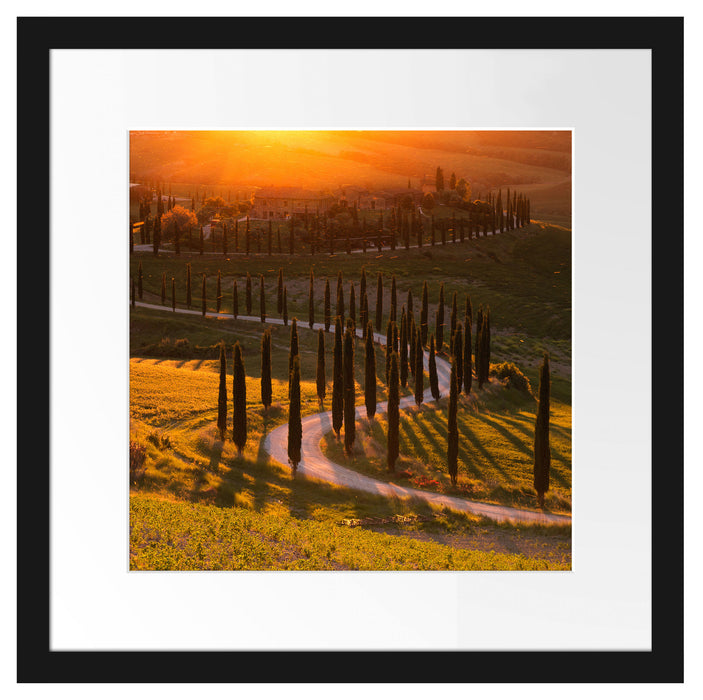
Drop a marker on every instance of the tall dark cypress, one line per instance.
(163, 289)
(248, 295)
(328, 310)
(295, 423)
(311, 301)
(424, 314)
(458, 351)
(440, 318)
(266, 391)
(235, 300)
(452, 428)
(262, 299)
(393, 415)
(394, 300)
(279, 297)
(294, 345)
(379, 302)
(173, 293)
(321, 376)
(337, 380)
(189, 294)
(468, 312)
(362, 283)
(140, 290)
(389, 348)
(340, 297)
(218, 298)
(239, 401)
(352, 304)
(349, 392)
(285, 305)
(419, 371)
(468, 365)
(542, 450)
(404, 348)
(364, 314)
(434, 380)
(453, 317)
(370, 374)
(410, 301)
(203, 294)
(222, 396)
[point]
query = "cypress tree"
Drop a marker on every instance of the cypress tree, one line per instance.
(235, 300)
(163, 289)
(239, 400)
(140, 290)
(440, 318)
(364, 314)
(321, 377)
(370, 374)
(458, 350)
(203, 294)
(352, 305)
(266, 391)
(453, 318)
(404, 348)
(295, 423)
(394, 300)
(452, 429)
(393, 415)
(294, 345)
(337, 380)
(542, 450)
(173, 293)
(218, 299)
(279, 297)
(423, 315)
(349, 392)
(202, 241)
(410, 301)
(389, 347)
(419, 371)
(285, 305)
(468, 312)
(362, 283)
(379, 302)
(340, 297)
(222, 397)
(262, 299)
(189, 294)
(434, 380)
(248, 294)
(328, 310)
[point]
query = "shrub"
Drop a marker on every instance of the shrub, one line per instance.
(512, 376)
(137, 459)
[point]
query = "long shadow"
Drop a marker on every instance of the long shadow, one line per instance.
(511, 437)
(530, 435)
(466, 431)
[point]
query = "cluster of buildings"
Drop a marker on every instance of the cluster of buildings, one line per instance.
(284, 202)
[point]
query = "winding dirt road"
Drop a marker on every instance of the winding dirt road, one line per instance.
(316, 465)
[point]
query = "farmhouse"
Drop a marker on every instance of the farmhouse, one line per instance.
(283, 202)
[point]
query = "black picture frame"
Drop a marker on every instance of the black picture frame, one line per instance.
(36, 662)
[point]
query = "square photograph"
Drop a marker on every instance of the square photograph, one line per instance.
(350, 350)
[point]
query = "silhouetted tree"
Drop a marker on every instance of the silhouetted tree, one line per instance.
(173, 293)
(311, 301)
(434, 380)
(379, 302)
(352, 305)
(337, 380)
(321, 377)
(410, 301)
(285, 305)
(222, 397)
(542, 450)
(235, 300)
(393, 415)
(340, 297)
(294, 345)
(403, 348)
(295, 423)
(370, 374)
(439, 179)
(419, 371)
(328, 310)
(239, 400)
(453, 318)
(440, 318)
(458, 351)
(364, 313)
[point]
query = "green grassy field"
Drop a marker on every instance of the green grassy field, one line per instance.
(197, 488)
